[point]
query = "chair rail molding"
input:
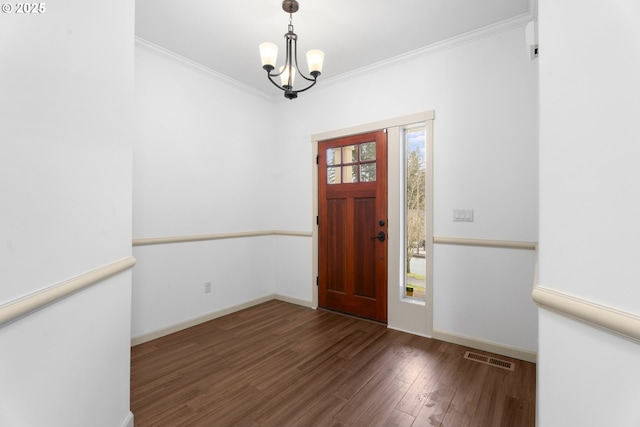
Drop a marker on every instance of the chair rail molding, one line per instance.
(147, 241)
(20, 307)
(487, 243)
(621, 323)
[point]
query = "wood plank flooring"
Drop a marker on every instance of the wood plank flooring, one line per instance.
(280, 365)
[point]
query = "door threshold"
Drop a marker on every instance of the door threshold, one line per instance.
(353, 316)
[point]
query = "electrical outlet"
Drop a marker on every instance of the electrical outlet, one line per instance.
(207, 287)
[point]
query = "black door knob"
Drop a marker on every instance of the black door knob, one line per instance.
(381, 237)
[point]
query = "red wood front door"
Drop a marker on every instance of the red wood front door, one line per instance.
(352, 225)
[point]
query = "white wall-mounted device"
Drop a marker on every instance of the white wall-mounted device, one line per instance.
(531, 38)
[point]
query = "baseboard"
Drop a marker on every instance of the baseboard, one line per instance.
(409, 332)
(197, 320)
(128, 420)
(293, 300)
(214, 315)
(451, 337)
(491, 347)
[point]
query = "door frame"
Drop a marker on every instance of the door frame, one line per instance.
(402, 314)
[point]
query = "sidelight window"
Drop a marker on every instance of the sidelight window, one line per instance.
(415, 212)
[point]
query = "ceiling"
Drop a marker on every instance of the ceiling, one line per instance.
(223, 35)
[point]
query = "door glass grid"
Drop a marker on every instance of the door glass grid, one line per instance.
(352, 163)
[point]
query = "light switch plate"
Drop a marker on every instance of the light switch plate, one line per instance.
(463, 215)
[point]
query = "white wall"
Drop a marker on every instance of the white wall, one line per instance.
(203, 164)
(65, 177)
(484, 95)
(485, 293)
(589, 107)
(201, 143)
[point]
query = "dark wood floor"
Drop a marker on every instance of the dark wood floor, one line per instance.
(278, 364)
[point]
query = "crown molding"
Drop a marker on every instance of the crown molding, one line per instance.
(202, 68)
(451, 43)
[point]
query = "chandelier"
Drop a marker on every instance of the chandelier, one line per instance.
(287, 72)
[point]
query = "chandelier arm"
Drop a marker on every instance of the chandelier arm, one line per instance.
(300, 71)
(306, 88)
(274, 83)
(307, 78)
(269, 77)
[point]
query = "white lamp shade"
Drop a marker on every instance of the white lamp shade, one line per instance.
(284, 77)
(268, 54)
(315, 58)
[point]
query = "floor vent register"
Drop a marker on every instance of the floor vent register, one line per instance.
(488, 360)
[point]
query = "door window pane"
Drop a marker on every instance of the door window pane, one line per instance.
(350, 154)
(367, 172)
(333, 156)
(368, 151)
(334, 175)
(350, 173)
